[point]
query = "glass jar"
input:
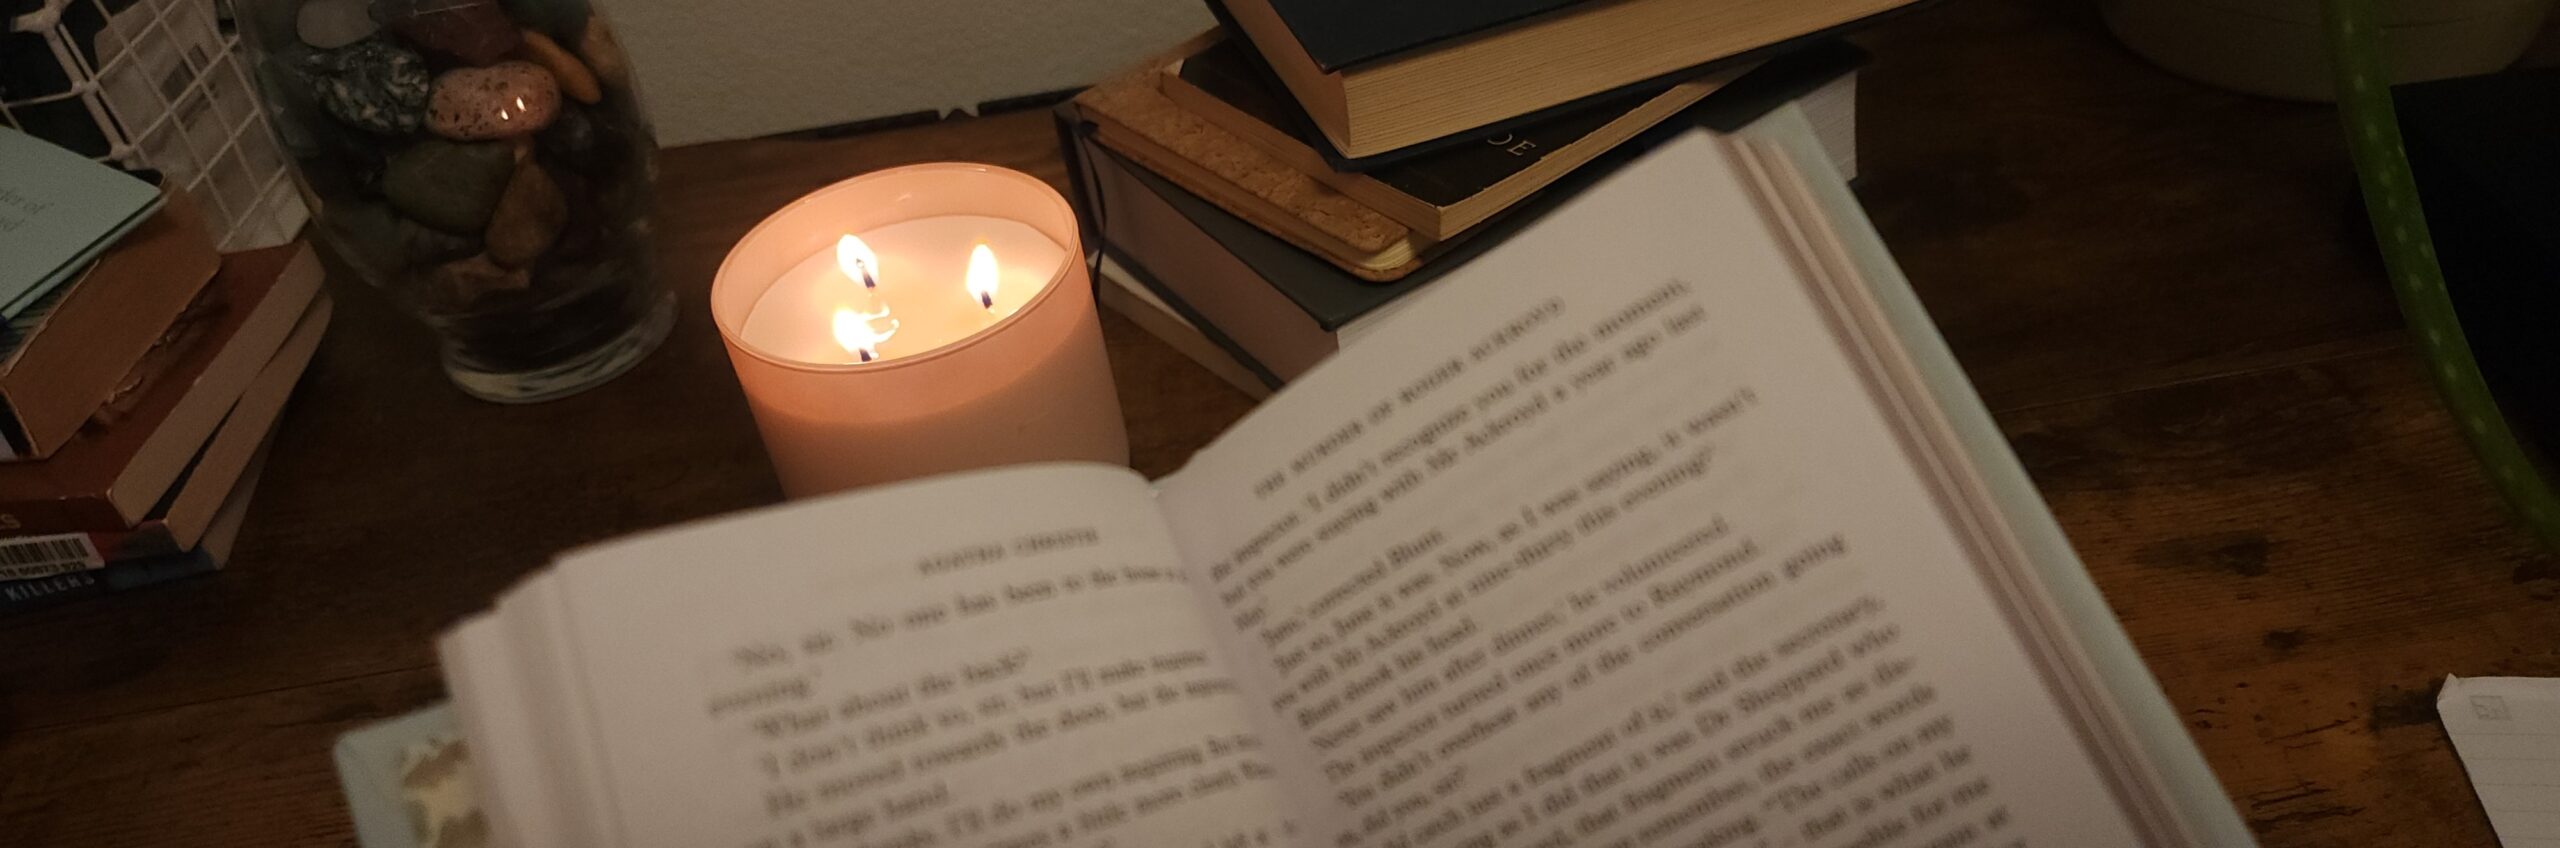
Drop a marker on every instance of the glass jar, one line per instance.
(487, 165)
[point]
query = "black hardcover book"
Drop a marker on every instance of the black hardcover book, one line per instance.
(1820, 52)
(1440, 177)
(2485, 151)
(1332, 297)
(1339, 33)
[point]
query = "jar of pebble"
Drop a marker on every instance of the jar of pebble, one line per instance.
(486, 164)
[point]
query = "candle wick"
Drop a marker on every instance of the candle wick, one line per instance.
(865, 353)
(987, 300)
(868, 281)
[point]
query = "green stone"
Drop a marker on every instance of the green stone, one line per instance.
(449, 185)
(377, 235)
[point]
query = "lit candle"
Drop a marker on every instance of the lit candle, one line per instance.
(918, 320)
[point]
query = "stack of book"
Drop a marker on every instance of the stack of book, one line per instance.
(141, 374)
(1263, 194)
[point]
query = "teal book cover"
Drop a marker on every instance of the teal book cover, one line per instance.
(58, 210)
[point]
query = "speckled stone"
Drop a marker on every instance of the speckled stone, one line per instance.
(370, 85)
(449, 186)
(504, 100)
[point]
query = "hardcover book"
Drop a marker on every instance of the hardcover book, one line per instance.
(1131, 114)
(58, 209)
(1669, 521)
(179, 521)
(109, 476)
(1378, 78)
(1282, 308)
(1439, 193)
(211, 552)
(407, 783)
(1123, 293)
(66, 354)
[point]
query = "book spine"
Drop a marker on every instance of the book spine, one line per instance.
(151, 539)
(77, 514)
(19, 596)
(31, 557)
(23, 595)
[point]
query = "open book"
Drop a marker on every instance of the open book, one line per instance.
(1668, 522)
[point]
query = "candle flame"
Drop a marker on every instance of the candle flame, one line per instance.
(982, 276)
(857, 261)
(859, 333)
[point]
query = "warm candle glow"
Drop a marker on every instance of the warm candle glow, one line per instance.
(982, 276)
(993, 363)
(856, 332)
(858, 263)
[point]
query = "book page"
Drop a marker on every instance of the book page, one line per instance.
(1004, 658)
(1606, 542)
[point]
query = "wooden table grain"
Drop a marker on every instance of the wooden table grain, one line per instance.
(2159, 288)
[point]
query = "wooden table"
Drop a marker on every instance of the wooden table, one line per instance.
(2161, 290)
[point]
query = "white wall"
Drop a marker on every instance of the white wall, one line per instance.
(723, 69)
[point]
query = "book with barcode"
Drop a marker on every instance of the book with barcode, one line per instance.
(211, 552)
(182, 517)
(1668, 521)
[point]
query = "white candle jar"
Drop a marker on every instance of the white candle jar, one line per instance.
(1028, 384)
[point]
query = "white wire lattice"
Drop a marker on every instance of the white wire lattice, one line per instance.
(153, 84)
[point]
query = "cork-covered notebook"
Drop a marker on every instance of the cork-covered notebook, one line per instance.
(1129, 114)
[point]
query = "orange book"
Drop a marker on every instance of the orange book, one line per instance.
(75, 354)
(108, 476)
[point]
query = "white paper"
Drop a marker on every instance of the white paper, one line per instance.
(1524, 401)
(2507, 731)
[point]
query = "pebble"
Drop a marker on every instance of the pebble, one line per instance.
(377, 231)
(331, 24)
(370, 85)
(583, 230)
(465, 280)
(449, 186)
(572, 136)
(528, 218)
(555, 17)
(504, 100)
(477, 32)
(574, 78)
(604, 54)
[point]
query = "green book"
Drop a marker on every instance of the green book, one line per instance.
(408, 782)
(58, 210)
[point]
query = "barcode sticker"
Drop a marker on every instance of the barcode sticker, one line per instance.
(42, 556)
